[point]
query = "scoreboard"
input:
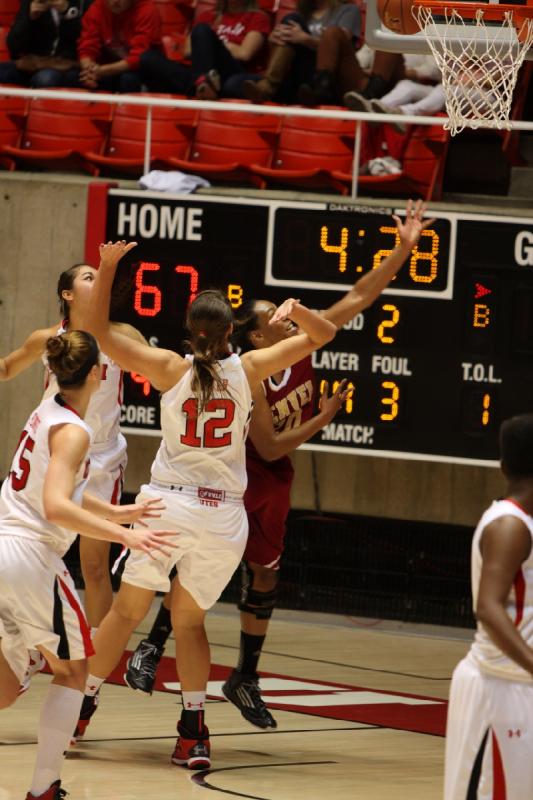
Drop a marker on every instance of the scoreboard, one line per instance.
(435, 364)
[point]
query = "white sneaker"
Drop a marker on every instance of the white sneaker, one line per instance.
(382, 108)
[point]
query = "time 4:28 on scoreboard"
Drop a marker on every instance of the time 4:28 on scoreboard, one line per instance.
(434, 365)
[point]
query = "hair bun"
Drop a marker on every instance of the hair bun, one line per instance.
(57, 346)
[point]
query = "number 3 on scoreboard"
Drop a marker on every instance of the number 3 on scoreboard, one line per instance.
(211, 426)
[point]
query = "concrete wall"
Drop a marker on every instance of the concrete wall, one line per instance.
(42, 228)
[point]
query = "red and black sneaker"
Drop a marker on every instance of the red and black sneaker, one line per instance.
(192, 751)
(55, 792)
(88, 707)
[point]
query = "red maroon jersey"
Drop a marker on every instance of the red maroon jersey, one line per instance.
(292, 401)
(268, 496)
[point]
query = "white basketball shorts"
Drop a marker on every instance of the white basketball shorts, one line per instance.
(108, 463)
(207, 549)
(39, 605)
(489, 737)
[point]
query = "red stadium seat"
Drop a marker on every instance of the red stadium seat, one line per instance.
(422, 167)
(309, 150)
(59, 132)
(4, 52)
(172, 134)
(8, 12)
(202, 6)
(176, 16)
(12, 118)
(226, 144)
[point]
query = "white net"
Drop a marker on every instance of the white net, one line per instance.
(479, 63)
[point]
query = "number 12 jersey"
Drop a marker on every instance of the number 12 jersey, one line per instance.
(206, 449)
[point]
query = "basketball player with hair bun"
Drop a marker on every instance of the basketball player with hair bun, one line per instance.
(200, 470)
(42, 505)
(108, 447)
(282, 419)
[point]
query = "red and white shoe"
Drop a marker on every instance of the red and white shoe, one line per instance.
(194, 752)
(88, 707)
(36, 664)
(55, 792)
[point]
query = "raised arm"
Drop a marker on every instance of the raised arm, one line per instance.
(25, 355)
(317, 331)
(369, 287)
(505, 545)
(163, 368)
(272, 445)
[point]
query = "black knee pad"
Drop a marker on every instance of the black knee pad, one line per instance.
(261, 604)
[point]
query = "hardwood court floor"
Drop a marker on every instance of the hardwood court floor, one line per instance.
(320, 748)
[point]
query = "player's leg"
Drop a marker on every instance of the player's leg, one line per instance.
(9, 682)
(94, 559)
(508, 767)
(59, 713)
(129, 608)
(258, 599)
(105, 482)
(193, 663)
(143, 662)
(467, 732)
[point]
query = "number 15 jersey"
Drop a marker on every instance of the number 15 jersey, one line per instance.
(207, 449)
(21, 499)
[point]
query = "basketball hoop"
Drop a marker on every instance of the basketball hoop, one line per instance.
(479, 50)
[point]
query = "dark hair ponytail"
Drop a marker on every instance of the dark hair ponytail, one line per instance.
(246, 322)
(64, 283)
(71, 356)
(209, 319)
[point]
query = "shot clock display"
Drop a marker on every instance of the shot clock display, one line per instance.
(435, 364)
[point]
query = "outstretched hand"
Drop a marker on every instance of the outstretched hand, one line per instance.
(137, 512)
(330, 406)
(148, 540)
(410, 228)
(112, 252)
(284, 311)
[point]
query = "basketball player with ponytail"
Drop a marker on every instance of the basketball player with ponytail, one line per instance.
(108, 447)
(43, 505)
(283, 418)
(200, 471)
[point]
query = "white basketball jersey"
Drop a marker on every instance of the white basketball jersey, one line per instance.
(103, 414)
(519, 605)
(206, 450)
(21, 498)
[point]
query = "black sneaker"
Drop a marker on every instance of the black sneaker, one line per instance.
(243, 691)
(142, 666)
(88, 707)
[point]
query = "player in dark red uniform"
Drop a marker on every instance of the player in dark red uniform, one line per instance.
(282, 420)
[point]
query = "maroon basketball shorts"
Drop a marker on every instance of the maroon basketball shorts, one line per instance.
(267, 502)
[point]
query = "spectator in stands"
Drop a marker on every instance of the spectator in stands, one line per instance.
(42, 44)
(115, 34)
(420, 92)
(295, 42)
(226, 44)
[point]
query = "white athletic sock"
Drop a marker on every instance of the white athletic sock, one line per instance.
(59, 715)
(93, 685)
(193, 701)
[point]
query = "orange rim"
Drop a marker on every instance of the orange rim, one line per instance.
(490, 11)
